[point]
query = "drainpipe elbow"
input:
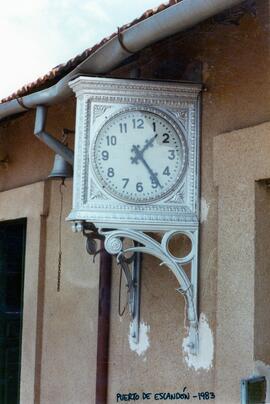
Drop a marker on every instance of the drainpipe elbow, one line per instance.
(53, 143)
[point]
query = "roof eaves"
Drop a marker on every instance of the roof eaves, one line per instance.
(61, 70)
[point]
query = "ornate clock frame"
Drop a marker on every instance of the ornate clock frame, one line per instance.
(96, 212)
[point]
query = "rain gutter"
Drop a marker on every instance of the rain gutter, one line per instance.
(163, 24)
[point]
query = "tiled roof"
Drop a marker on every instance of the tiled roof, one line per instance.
(61, 70)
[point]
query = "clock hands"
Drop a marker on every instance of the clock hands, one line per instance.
(148, 143)
(139, 157)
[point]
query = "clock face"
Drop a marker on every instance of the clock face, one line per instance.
(139, 155)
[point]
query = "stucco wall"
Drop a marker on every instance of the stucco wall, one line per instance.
(236, 76)
(70, 315)
(235, 62)
(242, 283)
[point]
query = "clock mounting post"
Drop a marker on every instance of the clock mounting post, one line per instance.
(136, 173)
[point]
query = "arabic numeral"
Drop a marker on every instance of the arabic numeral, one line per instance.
(123, 127)
(111, 140)
(138, 123)
(154, 183)
(166, 138)
(204, 395)
(126, 181)
(110, 172)
(166, 171)
(139, 186)
(105, 155)
(171, 154)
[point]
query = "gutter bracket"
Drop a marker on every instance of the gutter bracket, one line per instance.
(21, 103)
(121, 41)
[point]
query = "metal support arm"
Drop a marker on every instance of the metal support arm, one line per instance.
(131, 268)
(145, 244)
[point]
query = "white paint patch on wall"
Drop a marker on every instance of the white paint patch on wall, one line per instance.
(204, 210)
(144, 342)
(204, 359)
(261, 369)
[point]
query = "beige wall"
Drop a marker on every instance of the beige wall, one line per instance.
(236, 74)
(70, 316)
(242, 283)
(59, 328)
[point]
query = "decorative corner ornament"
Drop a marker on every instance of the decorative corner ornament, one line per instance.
(137, 171)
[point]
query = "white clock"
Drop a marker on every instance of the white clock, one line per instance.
(139, 155)
(136, 154)
(136, 172)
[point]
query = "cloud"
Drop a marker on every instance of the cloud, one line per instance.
(22, 9)
(96, 12)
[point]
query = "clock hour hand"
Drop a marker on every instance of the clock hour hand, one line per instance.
(148, 143)
(139, 157)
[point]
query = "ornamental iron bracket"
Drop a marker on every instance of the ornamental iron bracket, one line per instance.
(143, 243)
(131, 267)
(132, 274)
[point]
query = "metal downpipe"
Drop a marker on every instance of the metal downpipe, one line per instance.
(49, 140)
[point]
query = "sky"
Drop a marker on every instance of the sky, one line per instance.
(37, 35)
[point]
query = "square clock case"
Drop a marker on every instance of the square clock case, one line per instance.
(137, 171)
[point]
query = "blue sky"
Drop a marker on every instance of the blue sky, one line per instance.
(37, 35)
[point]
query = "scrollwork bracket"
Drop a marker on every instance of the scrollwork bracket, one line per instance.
(131, 268)
(146, 244)
(143, 243)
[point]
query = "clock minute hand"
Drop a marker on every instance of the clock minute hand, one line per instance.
(139, 157)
